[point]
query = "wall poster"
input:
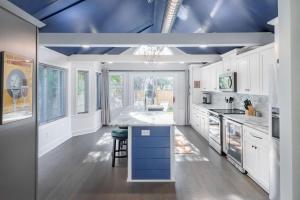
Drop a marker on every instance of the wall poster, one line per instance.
(16, 87)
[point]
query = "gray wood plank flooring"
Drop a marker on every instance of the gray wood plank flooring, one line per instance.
(81, 169)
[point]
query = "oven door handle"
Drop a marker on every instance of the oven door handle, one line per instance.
(256, 136)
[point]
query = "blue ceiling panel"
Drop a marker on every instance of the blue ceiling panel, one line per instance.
(32, 6)
(101, 16)
(207, 16)
(97, 50)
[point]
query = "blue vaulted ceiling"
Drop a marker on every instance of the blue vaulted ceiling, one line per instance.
(136, 16)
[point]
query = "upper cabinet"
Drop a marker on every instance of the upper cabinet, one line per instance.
(229, 61)
(267, 62)
(252, 68)
(210, 77)
(248, 74)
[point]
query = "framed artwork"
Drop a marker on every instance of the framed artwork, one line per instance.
(196, 84)
(16, 87)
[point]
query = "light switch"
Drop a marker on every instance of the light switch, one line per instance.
(145, 132)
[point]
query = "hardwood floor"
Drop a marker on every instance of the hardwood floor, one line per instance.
(81, 169)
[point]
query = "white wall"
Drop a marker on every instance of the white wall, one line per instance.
(91, 121)
(289, 98)
(55, 133)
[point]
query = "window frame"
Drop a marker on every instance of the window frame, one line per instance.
(98, 91)
(87, 97)
(65, 93)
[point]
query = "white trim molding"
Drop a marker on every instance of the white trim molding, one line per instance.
(155, 39)
(21, 13)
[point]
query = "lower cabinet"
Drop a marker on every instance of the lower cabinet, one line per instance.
(256, 147)
(199, 120)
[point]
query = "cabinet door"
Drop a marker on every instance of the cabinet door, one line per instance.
(205, 126)
(219, 71)
(254, 74)
(267, 59)
(262, 174)
(243, 83)
(249, 157)
(205, 78)
(213, 78)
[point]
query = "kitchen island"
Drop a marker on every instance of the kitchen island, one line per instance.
(151, 147)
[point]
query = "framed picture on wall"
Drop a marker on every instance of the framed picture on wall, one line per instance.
(196, 84)
(16, 87)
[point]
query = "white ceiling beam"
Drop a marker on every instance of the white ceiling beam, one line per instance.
(142, 59)
(21, 13)
(157, 39)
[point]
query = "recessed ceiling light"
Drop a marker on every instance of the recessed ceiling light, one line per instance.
(181, 62)
(110, 62)
(203, 46)
(85, 46)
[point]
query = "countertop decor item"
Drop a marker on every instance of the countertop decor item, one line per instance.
(249, 108)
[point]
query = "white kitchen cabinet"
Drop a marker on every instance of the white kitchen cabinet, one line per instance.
(219, 71)
(256, 148)
(248, 74)
(229, 64)
(204, 125)
(267, 62)
(243, 81)
(199, 120)
(254, 74)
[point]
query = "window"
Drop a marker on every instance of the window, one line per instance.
(51, 93)
(82, 91)
(98, 98)
(116, 92)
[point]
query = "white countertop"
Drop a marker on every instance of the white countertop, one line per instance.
(258, 123)
(143, 118)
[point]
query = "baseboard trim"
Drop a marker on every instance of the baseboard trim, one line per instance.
(47, 148)
(86, 131)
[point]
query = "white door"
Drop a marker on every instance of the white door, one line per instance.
(180, 97)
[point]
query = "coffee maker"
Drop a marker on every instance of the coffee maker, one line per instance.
(206, 99)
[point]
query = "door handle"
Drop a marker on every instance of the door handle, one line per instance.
(173, 99)
(256, 136)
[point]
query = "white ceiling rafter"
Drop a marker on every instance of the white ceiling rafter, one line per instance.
(155, 39)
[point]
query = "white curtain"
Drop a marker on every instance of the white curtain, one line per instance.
(105, 98)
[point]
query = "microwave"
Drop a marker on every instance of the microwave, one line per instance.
(227, 82)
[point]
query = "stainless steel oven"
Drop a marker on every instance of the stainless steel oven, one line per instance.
(235, 144)
(215, 128)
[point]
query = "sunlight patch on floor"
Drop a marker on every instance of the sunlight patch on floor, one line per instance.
(186, 151)
(105, 139)
(97, 156)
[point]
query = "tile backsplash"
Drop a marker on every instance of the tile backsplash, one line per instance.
(260, 103)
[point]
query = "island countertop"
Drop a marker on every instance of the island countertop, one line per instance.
(143, 118)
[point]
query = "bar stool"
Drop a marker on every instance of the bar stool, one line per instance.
(121, 136)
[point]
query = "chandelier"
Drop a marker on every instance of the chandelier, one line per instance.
(152, 52)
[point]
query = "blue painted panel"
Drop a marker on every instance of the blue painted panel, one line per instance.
(225, 16)
(150, 142)
(150, 164)
(151, 153)
(151, 174)
(101, 16)
(160, 131)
